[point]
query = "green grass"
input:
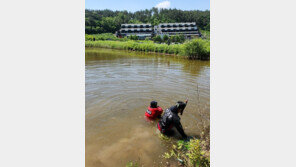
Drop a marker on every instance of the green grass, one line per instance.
(193, 49)
(145, 46)
(190, 154)
(103, 37)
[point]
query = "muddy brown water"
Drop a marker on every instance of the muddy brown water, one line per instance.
(119, 86)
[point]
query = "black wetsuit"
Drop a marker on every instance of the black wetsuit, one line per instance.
(171, 119)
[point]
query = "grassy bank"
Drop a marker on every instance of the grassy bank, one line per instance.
(193, 153)
(193, 49)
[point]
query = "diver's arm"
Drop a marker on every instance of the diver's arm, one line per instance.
(186, 101)
(179, 127)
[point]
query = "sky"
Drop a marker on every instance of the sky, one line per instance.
(135, 5)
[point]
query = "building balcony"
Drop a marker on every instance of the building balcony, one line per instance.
(178, 29)
(163, 25)
(181, 32)
(135, 31)
(132, 31)
(136, 26)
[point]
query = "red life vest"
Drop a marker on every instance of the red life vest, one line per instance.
(152, 113)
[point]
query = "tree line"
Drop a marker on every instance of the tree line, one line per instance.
(108, 21)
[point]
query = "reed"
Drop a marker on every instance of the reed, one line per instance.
(193, 49)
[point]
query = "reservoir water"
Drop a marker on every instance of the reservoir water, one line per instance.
(119, 86)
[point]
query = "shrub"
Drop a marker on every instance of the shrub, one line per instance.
(177, 38)
(197, 49)
(157, 39)
(182, 38)
(165, 38)
(133, 37)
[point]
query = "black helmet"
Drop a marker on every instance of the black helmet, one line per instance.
(181, 105)
(153, 104)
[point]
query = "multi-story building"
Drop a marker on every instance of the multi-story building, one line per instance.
(141, 30)
(187, 29)
(145, 30)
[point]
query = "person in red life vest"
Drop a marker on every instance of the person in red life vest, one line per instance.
(171, 119)
(153, 111)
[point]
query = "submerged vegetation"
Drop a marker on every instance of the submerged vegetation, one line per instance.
(132, 164)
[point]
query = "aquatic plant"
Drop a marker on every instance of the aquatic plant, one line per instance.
(190, 154)
(164, 137)
(132, 164)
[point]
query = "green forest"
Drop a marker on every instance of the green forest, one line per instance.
(108, 21)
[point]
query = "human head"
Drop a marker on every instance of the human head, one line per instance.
(153, 104)
(181, 106)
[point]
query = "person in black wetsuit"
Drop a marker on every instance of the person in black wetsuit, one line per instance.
(171, 119)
